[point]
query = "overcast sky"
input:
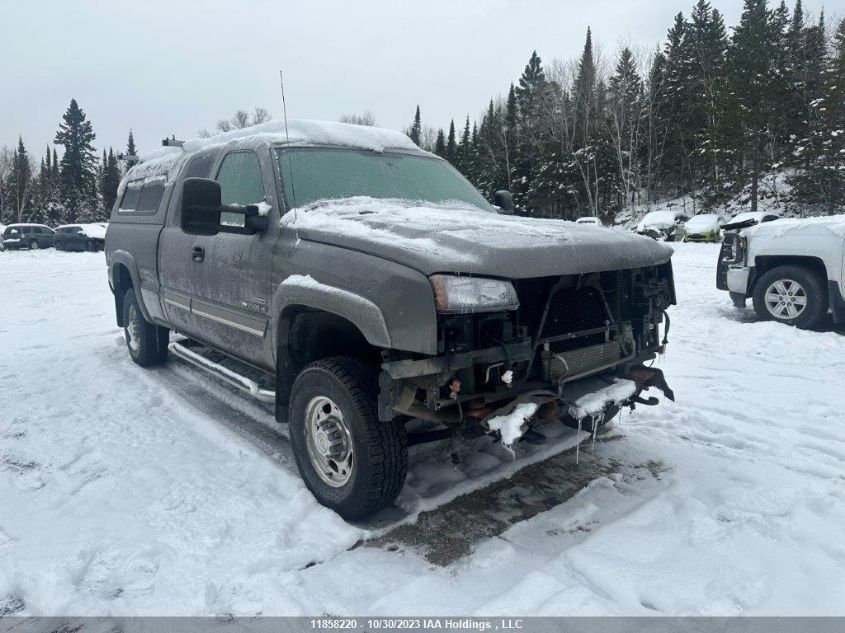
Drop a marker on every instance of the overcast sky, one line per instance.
(174, 67)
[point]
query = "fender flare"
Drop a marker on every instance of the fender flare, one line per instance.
(126, 259)
(301, 290)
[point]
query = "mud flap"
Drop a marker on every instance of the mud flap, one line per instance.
(647, 377)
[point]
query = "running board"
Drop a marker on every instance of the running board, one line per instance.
(225, 374)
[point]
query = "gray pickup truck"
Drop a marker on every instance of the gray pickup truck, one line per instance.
(360, 283)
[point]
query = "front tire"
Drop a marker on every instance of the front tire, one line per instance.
(351, 461)
(793, 295)
(147, 342)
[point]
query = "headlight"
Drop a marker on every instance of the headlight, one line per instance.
(740, 245)
(463, 295)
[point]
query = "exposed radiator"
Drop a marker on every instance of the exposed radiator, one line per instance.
(578, 362)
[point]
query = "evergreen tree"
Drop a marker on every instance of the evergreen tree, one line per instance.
(20, 183)
(821, 179)
(465, 153)
(416, 128)
(753, 98)
(451, 149)
(440, 144)
(109, 182)
(78, 165)
(131, 150)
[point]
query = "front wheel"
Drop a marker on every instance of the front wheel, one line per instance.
(793, 295)
(146, 341)
(351, 461)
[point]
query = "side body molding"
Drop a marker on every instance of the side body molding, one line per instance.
(304, 290)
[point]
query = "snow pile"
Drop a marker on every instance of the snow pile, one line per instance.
(511, 426)
(593, 404)
(309, 132)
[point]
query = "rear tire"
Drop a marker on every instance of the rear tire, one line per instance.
(147, 342)
(792, 295)
(33, 245)
(351, 461)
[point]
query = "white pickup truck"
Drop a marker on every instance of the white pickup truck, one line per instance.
(793, 269)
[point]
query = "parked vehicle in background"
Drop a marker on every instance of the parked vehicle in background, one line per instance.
(28, 236)
(730, 234)
(749, 218)
(792, 269)
(2, 229)
(663, 225)
(80, 237)
(705, 227)
(362, 283)
(591, 220)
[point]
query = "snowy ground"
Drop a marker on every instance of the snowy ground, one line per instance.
(125, 491)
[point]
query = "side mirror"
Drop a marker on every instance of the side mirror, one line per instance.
(504, 200)
(200, 206)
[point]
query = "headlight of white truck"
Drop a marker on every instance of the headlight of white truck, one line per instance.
(462, 295)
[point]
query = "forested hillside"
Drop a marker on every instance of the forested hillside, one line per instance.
(707, 118)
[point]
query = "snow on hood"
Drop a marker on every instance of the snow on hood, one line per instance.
(827, 225)
(459, 238)
(657, 220)
(703, 222)
(749, 215)
(313, 132)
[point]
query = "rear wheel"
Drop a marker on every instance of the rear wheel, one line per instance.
(793, 295)
(33, 245)
(147, 342)
(351, 461)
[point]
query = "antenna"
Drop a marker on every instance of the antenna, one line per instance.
(287, 137)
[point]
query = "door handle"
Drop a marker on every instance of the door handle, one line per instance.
(198, 254)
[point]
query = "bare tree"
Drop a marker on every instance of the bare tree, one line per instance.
(365, 118)
(260, 115)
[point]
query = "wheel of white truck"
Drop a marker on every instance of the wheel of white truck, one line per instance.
(351, 461)
(793, 295)
(146, 341)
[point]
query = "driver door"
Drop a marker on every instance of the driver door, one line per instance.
(235, 310)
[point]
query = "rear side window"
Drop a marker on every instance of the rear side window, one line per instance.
(130, 196)
(150, 197)
(240, 183)
(200, 165)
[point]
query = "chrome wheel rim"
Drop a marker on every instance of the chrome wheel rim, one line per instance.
(329, 441)
(132, 328)
(785, 299)
(33, 245)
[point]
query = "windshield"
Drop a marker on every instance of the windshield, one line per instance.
(328, 173)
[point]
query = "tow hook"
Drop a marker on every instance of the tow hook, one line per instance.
(647, 377)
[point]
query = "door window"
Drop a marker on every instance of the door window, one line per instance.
(240, 183)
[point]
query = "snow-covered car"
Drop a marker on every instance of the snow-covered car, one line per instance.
(792, 269)
(705, 227)
(80, 237)
(663, 225)
(749, 218)
(591, 220)
(28, 236)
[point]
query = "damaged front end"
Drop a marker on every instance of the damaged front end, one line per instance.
(574, 347)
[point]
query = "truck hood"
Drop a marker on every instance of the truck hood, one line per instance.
(464, 239)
